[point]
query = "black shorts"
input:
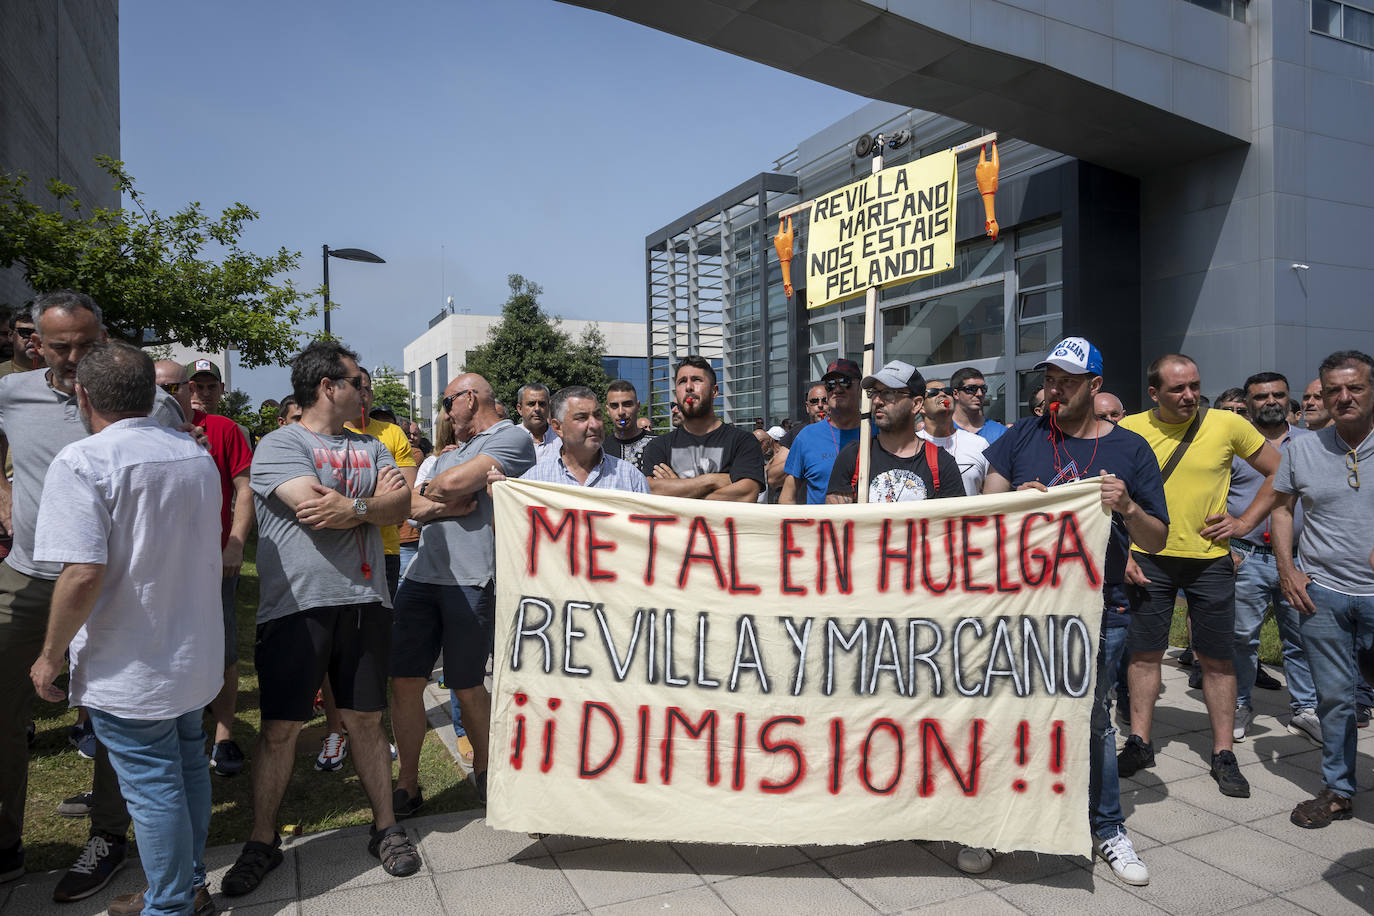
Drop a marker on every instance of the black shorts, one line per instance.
(1209, 586)
(350, 643)
(460, 619)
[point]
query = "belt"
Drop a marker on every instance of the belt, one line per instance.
(1255, 548)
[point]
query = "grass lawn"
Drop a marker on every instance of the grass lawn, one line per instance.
(314, 801)
(1270, 647)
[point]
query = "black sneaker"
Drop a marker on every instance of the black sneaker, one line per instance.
(1185, 658)
(11, 862)
(1226, 771)
(1135, 756)
(226, 759)
(1361, 716)
(77, 805)
(1195, 676)
(403, 804)
(1264, 680)
(479, 782)
(252, 865)
(103, 855)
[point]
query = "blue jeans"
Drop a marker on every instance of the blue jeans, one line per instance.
(408, 552)
(1331, 635)
(1104, 790)
(165, 776)
(1257, 585)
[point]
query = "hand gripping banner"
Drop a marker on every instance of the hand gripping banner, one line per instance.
(674, 669)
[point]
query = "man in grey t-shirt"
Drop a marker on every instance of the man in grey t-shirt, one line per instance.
(38, 418)
(1334, 588)
(321, 493)
(448, 598)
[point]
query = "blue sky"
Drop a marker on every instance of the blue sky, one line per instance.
(462, 141)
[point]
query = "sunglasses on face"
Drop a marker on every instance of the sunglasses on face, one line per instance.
(448, 401)
(171, 387)
(936, 392)
(815, 400)
(974, 389)
(842, 382)
(355, 380)
(26, 332)
(888, 395)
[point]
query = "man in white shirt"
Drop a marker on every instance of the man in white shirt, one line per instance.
(139, 606)
(966, 447)
(532, 403)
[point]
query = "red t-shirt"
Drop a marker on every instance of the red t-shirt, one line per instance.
(229, 448)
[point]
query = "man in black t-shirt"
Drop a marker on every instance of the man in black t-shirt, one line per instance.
(703, 458)
(628, 441)
(902, 466)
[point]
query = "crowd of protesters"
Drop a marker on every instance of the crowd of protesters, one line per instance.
(376, 557)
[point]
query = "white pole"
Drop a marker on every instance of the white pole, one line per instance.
(866, 405)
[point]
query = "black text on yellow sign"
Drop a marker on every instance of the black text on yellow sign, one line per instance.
(888, 228)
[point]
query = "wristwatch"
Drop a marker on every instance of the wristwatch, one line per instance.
(360, 508)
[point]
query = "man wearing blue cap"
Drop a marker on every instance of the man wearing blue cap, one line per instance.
(1066, 444)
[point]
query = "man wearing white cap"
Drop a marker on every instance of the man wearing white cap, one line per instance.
(1066, 444)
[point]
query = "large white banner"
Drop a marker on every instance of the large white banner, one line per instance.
(673, 669)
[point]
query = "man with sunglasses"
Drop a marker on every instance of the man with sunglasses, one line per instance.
(1332, 584)
(776, 468)
(448, 598)
(813, 452)
(971, 396)
(24, 338)
(966, 447)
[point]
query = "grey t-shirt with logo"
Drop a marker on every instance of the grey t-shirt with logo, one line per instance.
(1338, 518)
(462, 551)
(39, 421)
(298, 567)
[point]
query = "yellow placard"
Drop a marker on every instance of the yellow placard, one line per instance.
(885, 229)
(683, 670)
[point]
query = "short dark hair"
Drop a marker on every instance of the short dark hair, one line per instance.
(695, 361)
(622, 384)
(1344, 359)
(382, 413)
(559, 406)
(1293, 405)
(119, 378)
(24, 313)
(68, 300)
(320, 360)
(1232, 394)
(531, 386)
(1155, 373)
(285, 406)
(961, 377)
(1264, 378)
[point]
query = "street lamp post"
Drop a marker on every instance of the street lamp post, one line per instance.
(343, 254)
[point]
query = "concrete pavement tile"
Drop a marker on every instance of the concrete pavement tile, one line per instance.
(799, 889)
(415, 894)
(1202, 792)
(555, 843)
(33, 893)
(1023, 867)
(986, 903)
(1348, 893)
(697, 901)
(1076, 891)
(816, 852)
(719, 862)
(625, 871)
(1193, 747)
(1182, 883)
(279, 883)
(1169, 821)
(1166, 769)
(276, 908)
(468, 844)
(339, 862)
(531, 887)
(1351, 843)
(1284, 781)
(1274, 906)
(1257, 858)
(899, 876)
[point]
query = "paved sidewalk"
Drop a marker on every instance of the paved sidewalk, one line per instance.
(1206, 854)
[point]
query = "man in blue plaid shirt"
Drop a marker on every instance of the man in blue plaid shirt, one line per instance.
(581, 461)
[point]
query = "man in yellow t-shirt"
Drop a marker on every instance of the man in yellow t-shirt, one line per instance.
(1196, 558)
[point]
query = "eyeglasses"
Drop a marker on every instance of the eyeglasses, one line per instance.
(355, 380)
(26, 332)
(448, 401)
(170, 387)
(815, 400)
(843, 381)
(974, 389)
(1236, 408)
(888, 395)
(936, 392)
(1352, 464)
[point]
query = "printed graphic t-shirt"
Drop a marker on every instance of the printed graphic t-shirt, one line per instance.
(893, 479)
(724, 450)
(631, 449)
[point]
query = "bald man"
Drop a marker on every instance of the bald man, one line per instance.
(1108, 407)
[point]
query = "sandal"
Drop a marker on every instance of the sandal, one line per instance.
(1318, 812)
(252, 865)
(393, 848)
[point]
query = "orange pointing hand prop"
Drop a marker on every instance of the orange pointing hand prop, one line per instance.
(783, 243)
(986, 173)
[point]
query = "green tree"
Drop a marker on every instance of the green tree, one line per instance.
(389, 391)
(528, 346)
(152, 274)
(237, 406)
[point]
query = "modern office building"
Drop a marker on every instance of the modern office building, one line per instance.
(431, 360)
(1185, 175)
(59, 102)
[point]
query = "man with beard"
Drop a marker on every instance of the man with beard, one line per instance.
(813, 452)
(1257, 573)
(23, 337)
(704, 458)
(902, 467)
(1070, 443)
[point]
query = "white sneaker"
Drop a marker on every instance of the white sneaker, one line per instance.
(1244, 716)
(1119, 852)
(1306, 724)
(332, 754)
(973, 860)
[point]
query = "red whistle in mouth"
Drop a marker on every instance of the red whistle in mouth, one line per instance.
(1054, 407)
